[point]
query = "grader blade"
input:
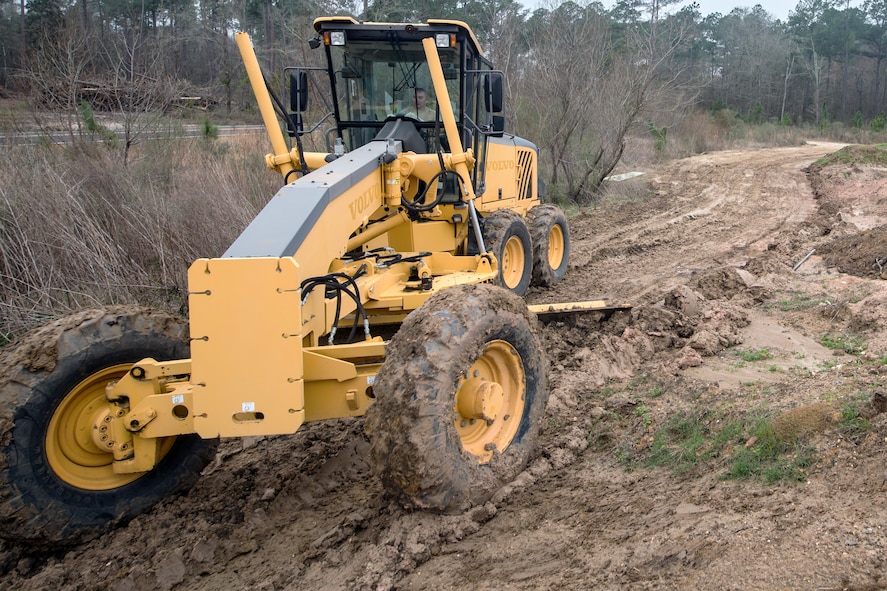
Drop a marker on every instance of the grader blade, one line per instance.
(548, 312)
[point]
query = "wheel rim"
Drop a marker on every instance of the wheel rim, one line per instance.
(70, 448)
(490, 401)
(512, 263)
(555, 247)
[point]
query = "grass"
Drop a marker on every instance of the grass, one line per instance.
(644, 386)
(755, 445)
(853, 421)
(644, 412)
(680, 443)
(850, 345)
(870, 154)
(78, 229)
(751, 356)
(799, 301)
(748, 448)
(768, 457)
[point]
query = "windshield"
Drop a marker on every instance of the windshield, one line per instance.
(378, 79)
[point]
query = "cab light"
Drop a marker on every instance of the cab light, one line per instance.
(334, 37)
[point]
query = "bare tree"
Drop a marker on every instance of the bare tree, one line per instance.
(583, 96)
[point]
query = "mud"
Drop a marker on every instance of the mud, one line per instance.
(726, 328)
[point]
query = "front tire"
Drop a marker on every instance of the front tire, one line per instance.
(56, 485)
(459, 399)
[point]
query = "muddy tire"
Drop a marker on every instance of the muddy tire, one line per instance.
(551, 244)
(56, 487)
(459, 399)
(506, 235)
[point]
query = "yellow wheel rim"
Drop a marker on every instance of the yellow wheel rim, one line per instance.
(490, 401)
(70, 448)
(555, 247)
(512, 263)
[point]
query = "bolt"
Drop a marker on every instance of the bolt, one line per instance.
(476, 373)
(104, 437)
(107, 419)
(103, 428)
(463, 424)
(473, 421)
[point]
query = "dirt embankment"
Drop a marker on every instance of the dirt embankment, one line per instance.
(731, 342)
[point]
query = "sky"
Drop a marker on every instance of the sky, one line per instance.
(776, 8)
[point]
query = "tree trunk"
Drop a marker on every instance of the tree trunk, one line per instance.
(788, 73)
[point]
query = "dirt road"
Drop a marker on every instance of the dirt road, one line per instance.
(727, 433)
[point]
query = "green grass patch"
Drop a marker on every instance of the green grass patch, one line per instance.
(748, 448)
(681, 443)
(751, 356)
(797, 302)
(767, 457)
(856, 154)
(644, 413)
(853, 422)
(850, 345)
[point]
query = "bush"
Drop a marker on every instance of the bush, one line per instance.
(78, 230)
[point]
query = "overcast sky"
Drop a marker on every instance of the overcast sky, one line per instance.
(776, 8)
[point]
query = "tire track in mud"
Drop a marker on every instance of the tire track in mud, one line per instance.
(723, 208)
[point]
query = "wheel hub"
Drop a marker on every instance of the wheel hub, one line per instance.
(82, 436)
(481, 399)
(490, 401)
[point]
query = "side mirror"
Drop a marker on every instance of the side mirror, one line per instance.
(493, 92)
(298, 91)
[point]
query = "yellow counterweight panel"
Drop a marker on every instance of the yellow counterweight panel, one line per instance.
(246, 352)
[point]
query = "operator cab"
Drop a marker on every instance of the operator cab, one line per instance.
(381, 86)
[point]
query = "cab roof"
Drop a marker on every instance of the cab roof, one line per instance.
(326, 23)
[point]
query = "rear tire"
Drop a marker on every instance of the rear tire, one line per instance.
(506, 235)
(55, 485)
(459, 399)
(551, 244)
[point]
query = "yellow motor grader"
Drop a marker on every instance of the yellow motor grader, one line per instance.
(424, 218)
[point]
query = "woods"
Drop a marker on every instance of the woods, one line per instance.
(825, 62)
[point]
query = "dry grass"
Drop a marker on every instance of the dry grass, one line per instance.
(79, 230)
